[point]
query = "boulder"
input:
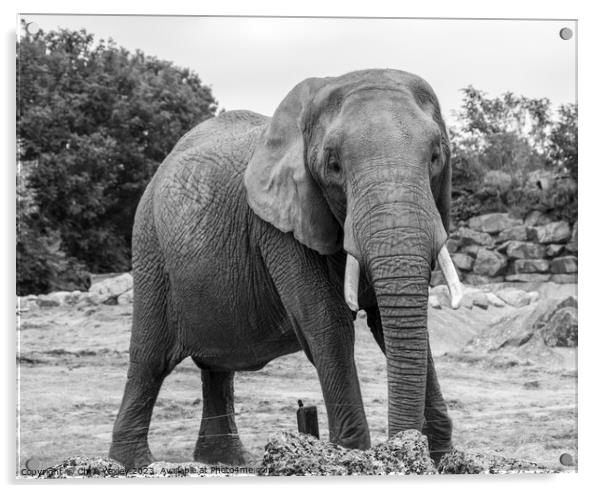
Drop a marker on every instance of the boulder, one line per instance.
(553, 250)
(478, 279)
(441, 292)
(489, 263)
(564, 278)
(516, 233)
(126, 298)
(434, 302)
(462, 261)
(494, 300)
(480, 300)
(561, 330)
(48, 301)
(466, 237)
(537, 218)
(514, 297)
(296, 454)
(537, 278)
(452, 245)
(437, 278)
(572, 246)
(471, 250)
(533, 296)
(498, 180)
(564, 265)
(556, 232)
(27, 303)
(529, 266)
(493, 223)
(524, 249)
(108, 290)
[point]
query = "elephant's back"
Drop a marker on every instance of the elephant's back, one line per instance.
(198, 193)
(225, 128)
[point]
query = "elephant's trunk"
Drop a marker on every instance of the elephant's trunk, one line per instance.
(397, 242)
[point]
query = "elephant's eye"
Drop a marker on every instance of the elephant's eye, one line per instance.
(434, 164)
(333, 163)
(435, 156)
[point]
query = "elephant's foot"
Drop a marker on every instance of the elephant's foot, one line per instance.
(132, 456)
(224, 450)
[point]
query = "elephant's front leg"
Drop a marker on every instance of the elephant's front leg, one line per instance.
(324, 326)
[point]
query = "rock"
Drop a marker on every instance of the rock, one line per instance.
(126, 298)
(293, 454)
(561, 329)
(553, 250)
(528, 277)
(529, 266)
(564, 278)
(542, 179)
(556, 232)
(466, 237)
(537, 218)
(108, 290)
(437, 278)
(434, 302)
(495, 300)
(471, 250)
(493, 223)
(524, 249)
(572, 245)
(458, 462)
(452, 245)
(516, 233)
(477, 279)
(48, 301)
(489, 263)
(499, 180)
(441, 292)
(568, 301)
(564, 265)
(462, 261)
(27, 303)
(514, 297)
(517, 340)
(480, 300)
(533, 296)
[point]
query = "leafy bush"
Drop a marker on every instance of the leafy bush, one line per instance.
(500, 143)
(94, 121)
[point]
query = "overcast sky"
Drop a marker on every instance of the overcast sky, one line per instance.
(251, 63)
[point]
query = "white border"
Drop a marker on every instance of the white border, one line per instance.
(588, 92)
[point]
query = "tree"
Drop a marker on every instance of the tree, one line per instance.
(500, 143)
(563, 138)
(97, 121)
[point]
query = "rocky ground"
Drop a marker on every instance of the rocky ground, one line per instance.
(506, 361)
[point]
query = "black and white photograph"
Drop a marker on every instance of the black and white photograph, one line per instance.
(262, 245)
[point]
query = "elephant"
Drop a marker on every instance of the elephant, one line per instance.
(258, 237)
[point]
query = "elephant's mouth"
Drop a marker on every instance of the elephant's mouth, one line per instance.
(352, 274)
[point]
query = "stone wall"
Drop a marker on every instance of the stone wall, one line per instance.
(497, 247)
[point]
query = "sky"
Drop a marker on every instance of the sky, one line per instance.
(252, 63)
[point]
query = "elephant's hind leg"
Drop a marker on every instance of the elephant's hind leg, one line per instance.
(153, 355)
(218, 440)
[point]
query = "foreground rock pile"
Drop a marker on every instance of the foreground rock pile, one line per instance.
(291, 454)
(497, 247)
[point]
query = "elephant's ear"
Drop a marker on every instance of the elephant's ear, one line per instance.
(442, 190)
(280, 190)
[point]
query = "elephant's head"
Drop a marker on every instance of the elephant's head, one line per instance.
(362, 162)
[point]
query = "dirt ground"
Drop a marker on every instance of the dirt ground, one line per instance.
(73, 361)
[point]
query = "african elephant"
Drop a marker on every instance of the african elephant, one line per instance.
(260, 237)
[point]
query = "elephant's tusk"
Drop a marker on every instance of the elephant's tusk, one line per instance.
(352, 278)
(451, 277)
